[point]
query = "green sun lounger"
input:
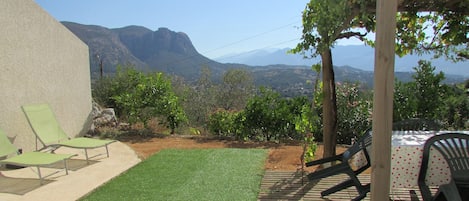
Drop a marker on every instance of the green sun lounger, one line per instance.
(29, 159)
(50, 134)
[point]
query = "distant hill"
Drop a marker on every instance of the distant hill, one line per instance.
(358, 56)
(173, 53)
(162, 50)
(105, 43)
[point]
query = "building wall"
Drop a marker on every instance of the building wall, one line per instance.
(41, 61)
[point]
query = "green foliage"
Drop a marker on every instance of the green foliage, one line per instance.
(101, 91)
(448, 34)
(326, 21)
(222, 123)
(139, 97)
(270, 117)
(421, 98)
(404, 102)
(455, 110)
(306, 123)
(428, 90)
(200, 99)
(237, 87)
(266, 117)
(310, 147)
(205, 97)
(354, 109)
(425, 97)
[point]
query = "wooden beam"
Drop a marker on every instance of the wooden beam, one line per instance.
(383, 98)
(458, 6)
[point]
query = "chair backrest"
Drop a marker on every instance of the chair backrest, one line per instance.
(454, 147)
(6, 148)
(416, 124)
(361, 145)
(44, 124)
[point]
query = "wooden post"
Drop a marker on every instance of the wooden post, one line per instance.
(383, 98)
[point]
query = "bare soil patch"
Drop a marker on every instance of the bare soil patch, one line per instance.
(282, 156)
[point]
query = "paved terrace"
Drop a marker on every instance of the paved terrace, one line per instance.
(23, 184)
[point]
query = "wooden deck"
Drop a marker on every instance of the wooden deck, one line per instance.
(295, 186)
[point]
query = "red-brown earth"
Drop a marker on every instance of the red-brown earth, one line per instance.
(282, 156)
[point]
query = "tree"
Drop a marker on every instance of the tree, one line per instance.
(200, 99)
(141, 97)
(428, 91)
(456, 108)
(354, 108)
(404, 102)
(269, 117)
(422, 97)
(236, 89)
(326, 21)
(425, 97)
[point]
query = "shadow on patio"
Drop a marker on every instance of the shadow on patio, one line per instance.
(23, 184)
(277, 185)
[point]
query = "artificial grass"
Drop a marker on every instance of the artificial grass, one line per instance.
(194, 174)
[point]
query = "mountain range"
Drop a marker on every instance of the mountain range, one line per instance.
(358, 56)
(163, 50)
(174, 54)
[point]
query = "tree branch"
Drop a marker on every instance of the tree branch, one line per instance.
(352, 34)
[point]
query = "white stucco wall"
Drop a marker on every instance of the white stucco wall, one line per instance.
(41, 61)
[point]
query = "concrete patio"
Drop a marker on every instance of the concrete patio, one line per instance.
(23, 184)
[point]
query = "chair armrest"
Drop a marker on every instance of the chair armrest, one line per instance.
(324, 160)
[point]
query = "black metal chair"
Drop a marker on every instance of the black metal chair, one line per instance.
(454, 147)
(416, 124)
(342, 166)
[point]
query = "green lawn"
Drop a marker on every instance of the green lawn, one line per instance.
(194, 174)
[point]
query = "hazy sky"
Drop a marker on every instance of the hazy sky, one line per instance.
(215, 27)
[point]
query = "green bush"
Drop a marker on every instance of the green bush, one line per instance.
(222, 123)
(455, 111)
(425, 97)
(270, 117)
(266, 117)
(354, 112)
(139, 97)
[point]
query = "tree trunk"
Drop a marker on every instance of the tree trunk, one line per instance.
(329, 105)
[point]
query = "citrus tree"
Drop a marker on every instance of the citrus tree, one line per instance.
(140, 97)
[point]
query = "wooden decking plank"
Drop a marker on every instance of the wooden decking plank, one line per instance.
(278, 185)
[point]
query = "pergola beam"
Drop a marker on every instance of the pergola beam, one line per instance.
(459, 6)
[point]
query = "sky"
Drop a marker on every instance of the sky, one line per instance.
(216, 27)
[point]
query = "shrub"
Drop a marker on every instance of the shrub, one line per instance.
(354, 112)
(139, 97)
(222, 123)
(266, 117)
